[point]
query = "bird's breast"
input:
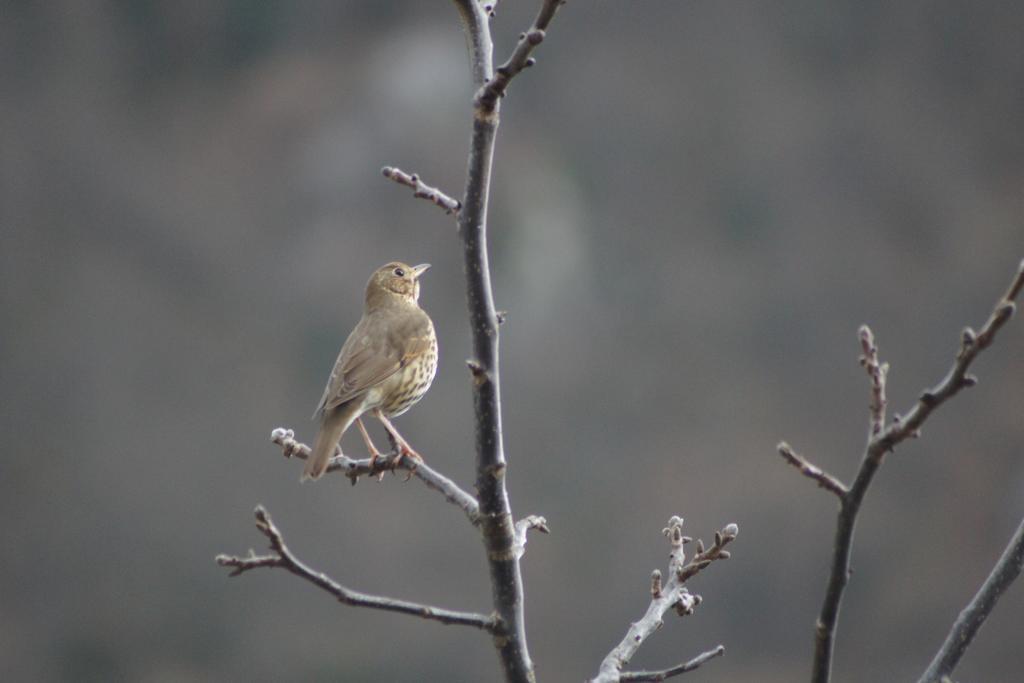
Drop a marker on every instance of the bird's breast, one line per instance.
(408, 385)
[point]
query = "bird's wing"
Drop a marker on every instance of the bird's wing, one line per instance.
(377, 348)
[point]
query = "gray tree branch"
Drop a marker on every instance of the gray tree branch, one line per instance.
(882, 440)
(497, 525)
(504, 540)
(670, 594)
(967, 625)
(683, 668)
(421, 190)
(283, 558)
(824, 479)
(389, 462)
(497, 83)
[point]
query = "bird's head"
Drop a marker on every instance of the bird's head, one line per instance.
(395, 280)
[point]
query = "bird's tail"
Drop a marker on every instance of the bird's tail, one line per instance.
(332, 426)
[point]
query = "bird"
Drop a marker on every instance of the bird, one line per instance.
(385, 366)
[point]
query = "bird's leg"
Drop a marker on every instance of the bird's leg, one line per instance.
(404, 449)
(374, 453)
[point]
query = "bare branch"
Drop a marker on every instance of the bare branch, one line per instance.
(971, 344)
(877, 372)
(675, 670)
(824, 479)
(421, 190)
(282, 557)
(497, 527)
(504, 540)
(666, 595)
(967, 625)
(497, 85)
(353, 469)
(704, 558)
(881, 442)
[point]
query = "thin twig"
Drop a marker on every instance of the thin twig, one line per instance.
(497, 85)
(877, 372)
(824, 479)
(421, 190)
(971, 344)
(704, 558)
(666, 595)
(883, 441)
(389, 462)
(282, 557)
(967, 625)
(675, 670)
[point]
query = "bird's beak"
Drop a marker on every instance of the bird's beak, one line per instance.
(419, 270)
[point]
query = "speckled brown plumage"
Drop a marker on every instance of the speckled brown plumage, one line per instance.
(385, 366)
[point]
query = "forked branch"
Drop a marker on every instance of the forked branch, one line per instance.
(882, 440)
(497, 84)
(498, 529)
(504, 539)
(971, 344)
(665, 595)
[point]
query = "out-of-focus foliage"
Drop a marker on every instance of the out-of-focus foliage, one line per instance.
(695, 205)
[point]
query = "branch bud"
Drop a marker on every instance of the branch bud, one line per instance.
(656, 583)
(968, 337)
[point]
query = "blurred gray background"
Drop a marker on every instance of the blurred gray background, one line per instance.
(695, 205)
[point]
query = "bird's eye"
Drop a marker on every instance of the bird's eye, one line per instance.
(400, 272)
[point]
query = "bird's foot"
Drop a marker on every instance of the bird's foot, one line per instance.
(376, 455)
(405, 451)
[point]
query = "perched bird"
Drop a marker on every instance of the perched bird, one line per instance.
(385, 366)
